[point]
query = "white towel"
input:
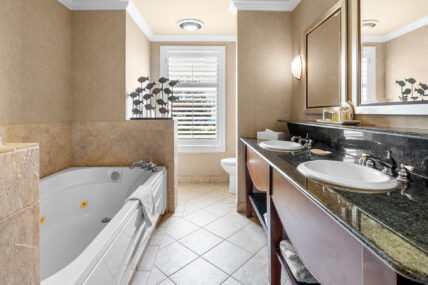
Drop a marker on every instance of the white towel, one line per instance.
(299, 270)
(144, 195)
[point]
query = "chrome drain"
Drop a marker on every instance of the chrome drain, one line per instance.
(105, 220)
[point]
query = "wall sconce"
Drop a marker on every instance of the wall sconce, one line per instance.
(296, 67)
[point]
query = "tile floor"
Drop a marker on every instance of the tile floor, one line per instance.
(205, 242)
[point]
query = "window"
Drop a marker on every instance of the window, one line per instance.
(368, 75)
(200, 111)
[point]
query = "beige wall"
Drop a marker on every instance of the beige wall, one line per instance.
(121, 143)
(264, 78)
(206, 167)
(305, 14)
(137, 54)
(98, 65)
(35, 79)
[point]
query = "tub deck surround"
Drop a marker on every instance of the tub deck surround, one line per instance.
(19, 213)
(393, 226)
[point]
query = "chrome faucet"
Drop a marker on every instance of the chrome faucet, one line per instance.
(141, 163)
(389, 164)
(145, 165)
(303, 141)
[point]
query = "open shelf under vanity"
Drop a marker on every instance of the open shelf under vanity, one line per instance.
(258, 201)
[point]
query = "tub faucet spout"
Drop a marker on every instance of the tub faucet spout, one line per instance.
(140, 163)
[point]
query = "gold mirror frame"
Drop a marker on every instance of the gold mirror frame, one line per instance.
(354, 72)
(342, 7)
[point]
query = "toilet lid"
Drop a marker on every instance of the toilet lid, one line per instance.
(229, 161)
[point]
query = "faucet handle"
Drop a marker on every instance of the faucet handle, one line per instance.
(404, 173)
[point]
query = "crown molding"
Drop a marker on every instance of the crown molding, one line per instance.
(194, 38)
(262, 5)
(95, 4)
(398, 32)
(139, 20)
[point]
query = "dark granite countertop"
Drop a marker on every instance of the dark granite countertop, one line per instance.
(393, 225)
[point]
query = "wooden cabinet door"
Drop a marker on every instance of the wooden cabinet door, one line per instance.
(258, 169)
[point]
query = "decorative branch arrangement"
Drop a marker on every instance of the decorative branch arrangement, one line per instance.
(153, 102)
(405, 92)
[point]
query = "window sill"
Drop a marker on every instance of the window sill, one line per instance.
(200, 148)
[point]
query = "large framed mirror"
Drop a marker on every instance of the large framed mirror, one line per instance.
(391, 74)
(325, 60)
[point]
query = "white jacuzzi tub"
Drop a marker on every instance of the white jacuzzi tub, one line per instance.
(76, 247)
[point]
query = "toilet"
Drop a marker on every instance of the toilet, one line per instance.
(229, 165)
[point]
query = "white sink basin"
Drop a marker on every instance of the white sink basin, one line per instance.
(348, 175)
(281, 145)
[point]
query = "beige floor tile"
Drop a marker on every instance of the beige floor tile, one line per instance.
(180, 228)
(157, 236)
(202, 218)
(223, 227)
(152, 277)
(190, 209)
(200, 241)
(166, 220)
(167, 240)
(227, 256)
(148, 258)
(238, 218)
(203, 201)
(173, 257)
(167, 281)
(251, 237)
(199, 272)
(220, 208)
(255, 271)
(231, 281)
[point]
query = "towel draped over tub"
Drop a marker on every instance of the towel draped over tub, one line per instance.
(144, 194)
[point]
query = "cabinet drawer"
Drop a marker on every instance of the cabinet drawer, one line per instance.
(258, 169)
(326, 248)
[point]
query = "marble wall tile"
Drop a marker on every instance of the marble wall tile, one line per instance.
(19, 178)
(119, 143)
(54, 140)
(19, 245)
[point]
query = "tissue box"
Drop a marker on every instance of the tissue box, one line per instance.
(270, 135)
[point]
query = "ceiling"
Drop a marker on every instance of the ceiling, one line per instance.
(392, 14)
(162, 16)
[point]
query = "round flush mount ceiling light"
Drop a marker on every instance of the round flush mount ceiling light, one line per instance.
(370, 24)
(190, 25)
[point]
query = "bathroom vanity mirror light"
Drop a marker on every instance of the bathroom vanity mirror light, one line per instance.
(296, 67)
(325, 61)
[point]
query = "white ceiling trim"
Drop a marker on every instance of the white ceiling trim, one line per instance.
(262, 5)
(397, 33)
(139, 20)
(95, 4)
(194, 38)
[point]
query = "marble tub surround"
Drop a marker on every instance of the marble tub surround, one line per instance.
(19, 213)
(120, 143)
(54, 140)
(393, 226)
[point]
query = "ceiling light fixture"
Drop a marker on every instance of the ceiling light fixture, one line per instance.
(190, 25)
(370, 24)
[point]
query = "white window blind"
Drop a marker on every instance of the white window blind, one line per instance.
(200, 109)
(368, 75)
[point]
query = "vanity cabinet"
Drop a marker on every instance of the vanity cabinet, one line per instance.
(332, 253)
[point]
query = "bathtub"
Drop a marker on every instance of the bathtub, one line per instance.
(89, 232)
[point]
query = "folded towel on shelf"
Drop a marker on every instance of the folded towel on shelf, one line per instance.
(299, 270)
(144, 195)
